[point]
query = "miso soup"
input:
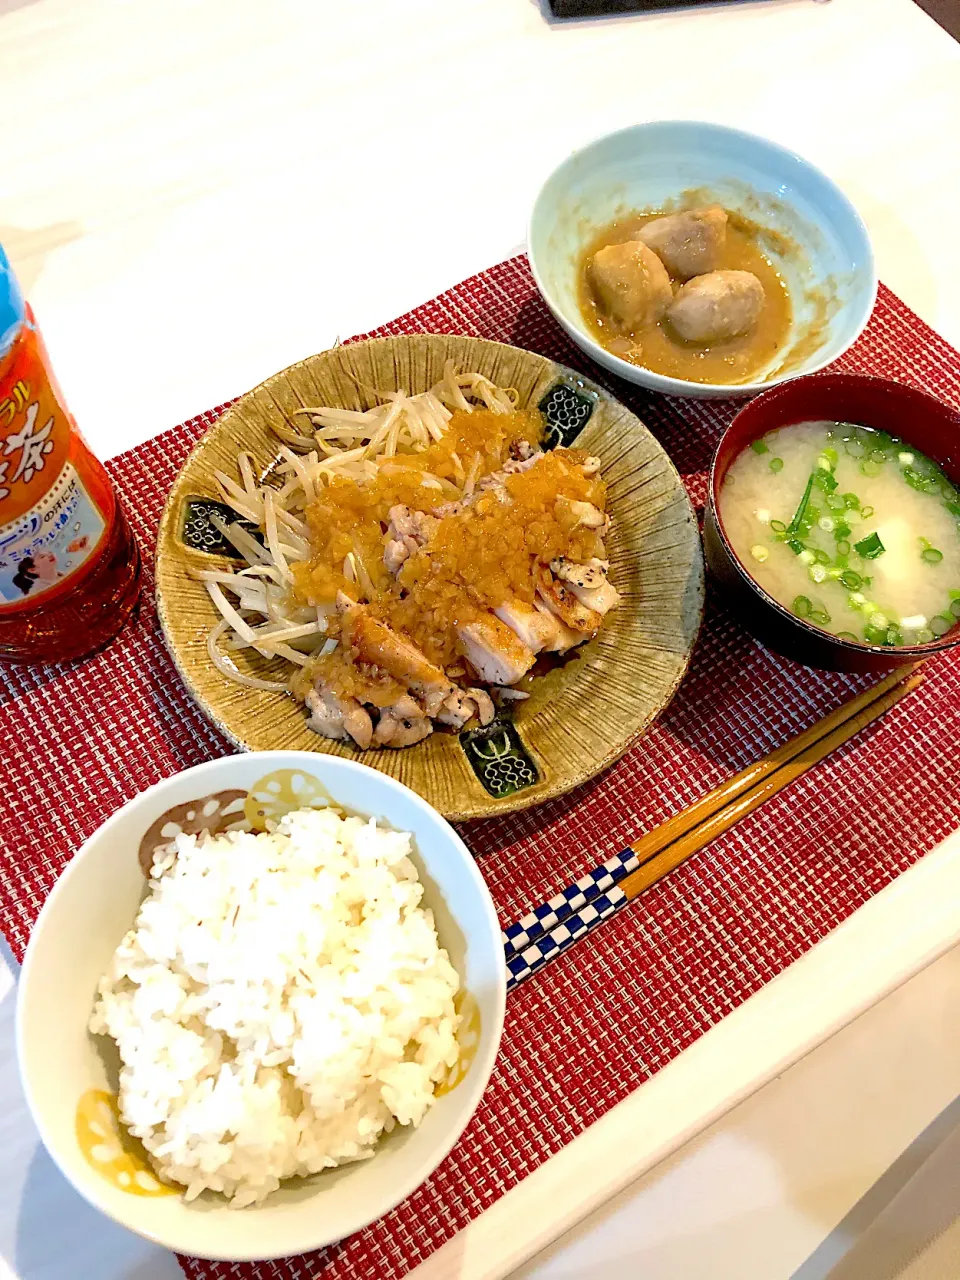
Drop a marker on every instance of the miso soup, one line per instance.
(849, 528)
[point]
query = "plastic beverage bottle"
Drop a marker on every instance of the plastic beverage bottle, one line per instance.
(69, 564)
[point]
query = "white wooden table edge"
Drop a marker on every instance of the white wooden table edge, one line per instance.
(899, 932)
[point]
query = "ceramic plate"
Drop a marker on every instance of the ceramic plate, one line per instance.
(582, 715)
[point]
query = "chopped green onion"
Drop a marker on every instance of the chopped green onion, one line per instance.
(856, 600)
(758, 446)
(866, 512)
(931, 555)
(893, 636)
(835, 502)
(879, 620)
(843, 547)
(802, 607)
(817, 573)
(808, 556)
(776, 464)
(841, 530)
(851, 579)
(848, 635)
(820, 617)
(924, 636)
(955, 608)
(878, 455)
(875, 635)
(826, 524)
(821, 556)
(855, 448)
(941, 625)
(795, 545)
(826, 481)
(870, 468)
(905, 459)
(778, 526)
(831, 455)
(870, 547)
(851, 502)
(759, 552)
(953, 508)
(794, 525)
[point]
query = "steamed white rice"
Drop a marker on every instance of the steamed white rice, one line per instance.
(281, 1001)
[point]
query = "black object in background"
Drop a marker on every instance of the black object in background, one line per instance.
(594, 8)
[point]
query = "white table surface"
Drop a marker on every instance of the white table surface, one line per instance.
(198, 192)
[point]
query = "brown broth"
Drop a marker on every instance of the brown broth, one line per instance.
(657, 348)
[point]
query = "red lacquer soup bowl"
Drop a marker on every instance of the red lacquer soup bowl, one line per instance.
(917, 418)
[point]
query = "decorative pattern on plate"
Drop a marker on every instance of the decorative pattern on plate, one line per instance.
(199, 533)
(108, 1148)
(223, 811)
(567, 407)
(499, 758)
(280, 793)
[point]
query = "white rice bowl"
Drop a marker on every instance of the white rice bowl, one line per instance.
(281, 1001)
(90, 911)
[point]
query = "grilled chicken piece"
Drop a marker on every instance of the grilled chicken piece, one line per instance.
(591, 574)
(485, 708)
(512, 468)
(565, 638)
(575, 515)
(372, 641)
(588, 582)
(537, 630)
(338, 718)
(560, 599)
(407, 532)
(457, 709)
(495, 481)
(598, 599)
(396, 553)
(495, 653)
(521, 450)
(463, 705)
(402, 725)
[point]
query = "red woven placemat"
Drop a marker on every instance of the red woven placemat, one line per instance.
(80, 740)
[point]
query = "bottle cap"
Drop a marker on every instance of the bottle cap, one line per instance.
(12, 309)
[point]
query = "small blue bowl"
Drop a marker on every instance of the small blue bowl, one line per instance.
(820, 245)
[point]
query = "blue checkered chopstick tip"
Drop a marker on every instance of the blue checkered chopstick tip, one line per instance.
(550, 929)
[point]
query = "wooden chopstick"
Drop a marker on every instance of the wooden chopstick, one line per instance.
(650, 844)
(664, 848)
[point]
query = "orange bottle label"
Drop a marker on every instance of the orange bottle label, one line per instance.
(49, 524)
